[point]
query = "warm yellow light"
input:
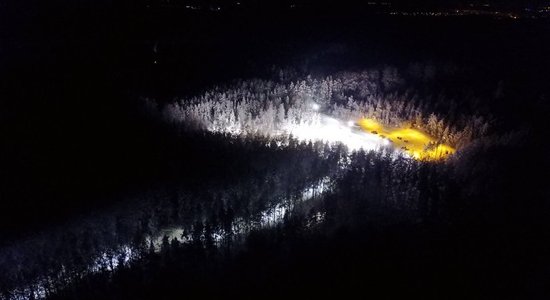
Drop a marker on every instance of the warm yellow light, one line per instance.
(370, 125)
(416, 143)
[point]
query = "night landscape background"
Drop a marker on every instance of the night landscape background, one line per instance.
(170, 148)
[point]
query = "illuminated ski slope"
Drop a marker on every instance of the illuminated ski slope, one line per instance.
(369, 134)
(330, 130)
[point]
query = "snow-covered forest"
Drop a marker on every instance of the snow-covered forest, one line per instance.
(249, 123)
(274, 107)
(166, 149)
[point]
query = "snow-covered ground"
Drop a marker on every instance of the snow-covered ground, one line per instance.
(331, 130)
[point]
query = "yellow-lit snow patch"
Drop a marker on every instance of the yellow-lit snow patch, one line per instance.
(416, 143)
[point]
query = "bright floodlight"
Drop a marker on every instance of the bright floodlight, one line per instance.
(315, 106)
(351, 123)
